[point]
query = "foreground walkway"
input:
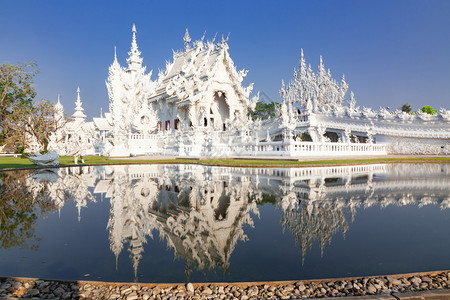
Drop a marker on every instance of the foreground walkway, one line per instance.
(415, 286)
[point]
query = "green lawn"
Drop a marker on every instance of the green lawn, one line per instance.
(11, 162)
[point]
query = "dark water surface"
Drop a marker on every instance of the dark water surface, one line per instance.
(178, 223)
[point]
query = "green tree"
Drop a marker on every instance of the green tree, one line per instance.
(16, 86)
(38, 121)
(263, 110)
(429, 110)
(407, 108)
(22, 118)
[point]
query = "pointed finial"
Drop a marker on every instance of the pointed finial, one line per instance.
(101, 112)
(58, 99)
(115, 53)
(78, 95)
(321, 61)
(302, 59)
(133, 43)
(187, 38)
(134, 60)
(203, 36)
(78, 107)
(224, 41)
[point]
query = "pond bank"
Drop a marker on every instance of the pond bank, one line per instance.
(11, 163)
(427, 285)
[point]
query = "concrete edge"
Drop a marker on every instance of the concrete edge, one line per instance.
(238, 284)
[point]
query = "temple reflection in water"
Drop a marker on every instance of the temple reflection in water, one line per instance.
(200, 211)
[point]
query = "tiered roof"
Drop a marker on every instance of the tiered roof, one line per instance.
(191, 70)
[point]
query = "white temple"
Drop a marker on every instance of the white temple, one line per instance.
(197, 106)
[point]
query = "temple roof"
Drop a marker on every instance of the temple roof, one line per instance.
(192, 69)
(102, 123)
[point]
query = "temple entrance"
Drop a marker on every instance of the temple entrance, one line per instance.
(333, 136)
(220, 110)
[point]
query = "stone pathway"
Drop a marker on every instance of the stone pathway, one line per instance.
(433, 285)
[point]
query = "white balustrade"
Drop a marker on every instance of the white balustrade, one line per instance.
(179, 145)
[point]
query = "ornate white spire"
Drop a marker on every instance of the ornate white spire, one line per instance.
(134, 60)
(59, 112)
(78, 114)
(58, 106)
(187, 38)
(115, 65)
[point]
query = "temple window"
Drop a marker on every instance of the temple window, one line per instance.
(205, 122)
(145, 120)
(158, 126)
(176, 124)
(212, 121)
(167, 125)
(224, 127)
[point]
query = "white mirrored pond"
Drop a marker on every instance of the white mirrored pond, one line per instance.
(178, 223)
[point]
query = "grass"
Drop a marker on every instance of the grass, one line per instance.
(12, 162)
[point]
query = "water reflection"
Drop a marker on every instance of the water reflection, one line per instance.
(200, 211)
(18, 211)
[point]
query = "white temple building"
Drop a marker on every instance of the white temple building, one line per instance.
(198, 106)
(77, 136)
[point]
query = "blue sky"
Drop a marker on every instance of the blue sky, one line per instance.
(391, 52)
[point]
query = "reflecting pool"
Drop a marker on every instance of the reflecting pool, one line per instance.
(179, 223)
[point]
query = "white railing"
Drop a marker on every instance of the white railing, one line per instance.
(293, 148)
(179, 145)
(138, 136)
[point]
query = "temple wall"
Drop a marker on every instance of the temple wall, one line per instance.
(398, 145)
